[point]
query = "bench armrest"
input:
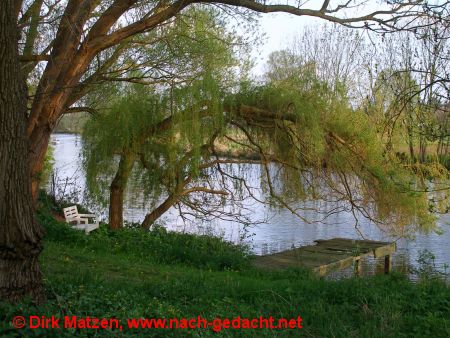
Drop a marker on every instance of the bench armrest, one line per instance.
(85, 218)
(77, 219)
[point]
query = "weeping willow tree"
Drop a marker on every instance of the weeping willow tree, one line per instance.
(328, 152)
(331, 154)
(310, 144)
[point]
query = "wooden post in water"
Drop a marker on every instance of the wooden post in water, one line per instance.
(358, 266)
(387, 264)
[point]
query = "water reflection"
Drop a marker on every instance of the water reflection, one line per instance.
(282, 230)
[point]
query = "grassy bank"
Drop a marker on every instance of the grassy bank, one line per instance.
(130, 273)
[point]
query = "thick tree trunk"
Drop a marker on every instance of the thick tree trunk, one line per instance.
(170, 201)
(159, 211)
(117, 190)
(37, 149)
(20, 235)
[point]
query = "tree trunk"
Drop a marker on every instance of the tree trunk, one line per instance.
(412, 156)
(37, 151)
(422, 148)
(20, 235)
(159, 211)
(410, 132)
(117, 190)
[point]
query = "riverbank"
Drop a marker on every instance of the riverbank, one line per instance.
(158, 274)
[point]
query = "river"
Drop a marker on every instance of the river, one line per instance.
(282, 230)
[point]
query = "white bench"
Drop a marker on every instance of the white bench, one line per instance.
(82, 220)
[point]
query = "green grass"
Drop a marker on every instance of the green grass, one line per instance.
(131, 273)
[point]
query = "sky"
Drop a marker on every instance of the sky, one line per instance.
(281, 28)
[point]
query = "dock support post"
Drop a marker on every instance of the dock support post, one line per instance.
(358, 267)
(387, 264)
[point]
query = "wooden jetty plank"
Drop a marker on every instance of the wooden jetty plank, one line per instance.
(346, 240)
(379, 249)
(328, 255)
(339, 265)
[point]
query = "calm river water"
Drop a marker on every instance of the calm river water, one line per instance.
(281, 231)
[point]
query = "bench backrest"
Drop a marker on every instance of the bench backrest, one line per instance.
(70, 212)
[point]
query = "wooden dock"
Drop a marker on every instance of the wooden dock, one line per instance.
(329, 255)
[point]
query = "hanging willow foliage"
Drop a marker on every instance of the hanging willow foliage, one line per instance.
(304, 124)
(310, 143)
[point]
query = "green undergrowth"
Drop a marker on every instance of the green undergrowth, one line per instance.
(159, 274)
(156, 246)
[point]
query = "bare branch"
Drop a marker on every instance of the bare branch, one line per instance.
(325, 5)
(89, 110)
(205, 190)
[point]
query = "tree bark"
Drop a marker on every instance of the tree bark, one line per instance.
(20, 235)
(117, 190)
(160, 210)
(35, 12)
(37, 151)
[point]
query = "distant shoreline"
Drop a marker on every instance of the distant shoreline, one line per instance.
(66, 132)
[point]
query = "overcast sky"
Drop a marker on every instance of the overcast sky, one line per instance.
(281, 28)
